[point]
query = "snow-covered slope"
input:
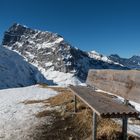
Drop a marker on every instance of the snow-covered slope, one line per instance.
(98, 56)
(17, 120)
(16, 72)
(56, 58)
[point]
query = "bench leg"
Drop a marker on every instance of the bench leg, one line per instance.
(75, 104)
(94, 131)
(124, 127)
(124, 122)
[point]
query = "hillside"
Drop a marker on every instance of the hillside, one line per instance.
(16, 72)
(57, 59)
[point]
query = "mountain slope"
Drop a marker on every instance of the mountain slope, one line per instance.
(15, 72)
(51, 53)
(132, 63)
(98, 56)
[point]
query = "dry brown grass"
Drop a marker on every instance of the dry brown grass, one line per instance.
(63, 98)
(108, 129)
(67, 125)
(33, 101)
(43, 113)
(43, 85)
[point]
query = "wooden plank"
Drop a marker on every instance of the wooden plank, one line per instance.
(124, 83)
(101, 104)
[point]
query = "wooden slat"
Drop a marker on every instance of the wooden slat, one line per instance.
(101, 104)
(125, 83)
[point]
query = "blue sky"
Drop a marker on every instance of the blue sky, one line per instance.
(107, 26)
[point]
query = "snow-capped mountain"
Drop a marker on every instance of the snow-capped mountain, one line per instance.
(132, 63)
(56, 58)
(98, 56)
(16, 72)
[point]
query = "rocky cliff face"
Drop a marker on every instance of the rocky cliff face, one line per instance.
(51, 53)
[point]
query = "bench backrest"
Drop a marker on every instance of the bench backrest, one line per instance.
(125, 83)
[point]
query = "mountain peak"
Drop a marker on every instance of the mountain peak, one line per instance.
(15, 33)
(17, 28)
(135, 56)
(114, 55)
(14, 25)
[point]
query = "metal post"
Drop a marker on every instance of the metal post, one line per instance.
(124, 122)
(94, 131)
(124, 127)
(75, 104)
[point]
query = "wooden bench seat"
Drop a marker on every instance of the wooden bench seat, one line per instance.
(103, 105)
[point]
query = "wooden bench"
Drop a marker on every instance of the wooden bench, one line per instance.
(124, 83)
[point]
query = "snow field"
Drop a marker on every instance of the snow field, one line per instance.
(17, 120)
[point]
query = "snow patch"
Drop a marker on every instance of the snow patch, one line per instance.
(31, 56)
(96, 55)
(48, 64)
(60, 78)
(50, 44)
